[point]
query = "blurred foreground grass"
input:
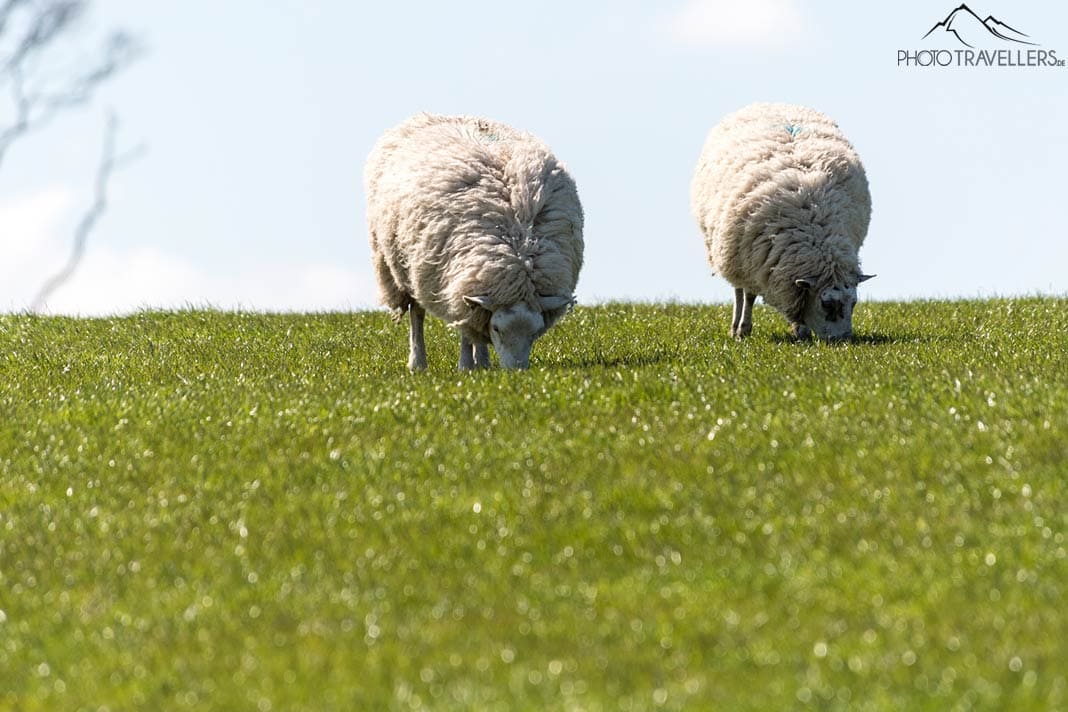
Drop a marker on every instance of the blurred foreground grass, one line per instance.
(227, 511)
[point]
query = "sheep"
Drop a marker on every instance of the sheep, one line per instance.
(480, 225)
(782, 200)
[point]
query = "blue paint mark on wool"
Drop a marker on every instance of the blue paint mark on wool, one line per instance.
(792, 129)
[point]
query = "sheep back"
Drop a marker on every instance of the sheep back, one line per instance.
(781, 195)
(465, 206)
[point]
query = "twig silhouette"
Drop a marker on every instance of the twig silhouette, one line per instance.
(110, 161)
(32, 34)
(35, 103)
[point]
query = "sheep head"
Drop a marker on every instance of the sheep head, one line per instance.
(828, 310)
(514, 327)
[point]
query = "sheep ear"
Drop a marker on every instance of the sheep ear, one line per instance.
(807, 283)
(483, 302)
(864, 278)
(556, 301)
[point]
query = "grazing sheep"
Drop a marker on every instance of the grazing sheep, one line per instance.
(783, 202)
(480, 225)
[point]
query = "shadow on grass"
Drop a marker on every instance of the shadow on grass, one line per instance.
(872, 339)
(880, 339)
(614, 361)
(906, 338)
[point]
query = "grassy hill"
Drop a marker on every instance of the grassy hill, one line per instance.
(228, 511)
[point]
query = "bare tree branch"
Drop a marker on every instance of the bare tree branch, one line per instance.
(49, 19)
(22, 113)
(110, 161)
(31, 45)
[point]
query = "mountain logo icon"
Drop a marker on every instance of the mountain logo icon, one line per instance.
(970, 29)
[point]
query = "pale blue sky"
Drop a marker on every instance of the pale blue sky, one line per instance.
(259, 115)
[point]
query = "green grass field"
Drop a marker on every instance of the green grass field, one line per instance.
(225, 511)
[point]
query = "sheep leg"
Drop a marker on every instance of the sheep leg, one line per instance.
(417, 354)
(467, 354)
(742, 323)
(739, 297)
(745, 327)
(482, 359)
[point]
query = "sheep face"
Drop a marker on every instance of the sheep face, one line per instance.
(514, 328)
(828, 311)
(512, 332)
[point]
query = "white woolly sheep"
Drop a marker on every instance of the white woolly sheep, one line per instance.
(783, 202)
(478, 224)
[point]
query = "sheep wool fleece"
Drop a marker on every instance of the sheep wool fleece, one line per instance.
(462, 206)
(781, 195)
